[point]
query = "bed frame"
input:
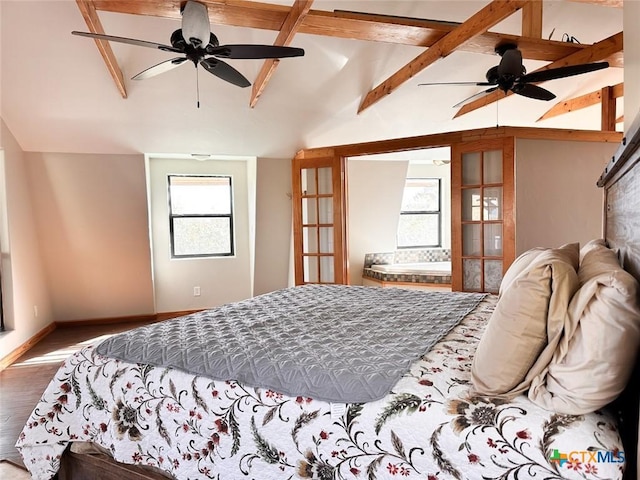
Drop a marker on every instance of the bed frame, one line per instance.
(621, 183)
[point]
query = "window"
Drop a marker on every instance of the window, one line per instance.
(200, 216)
(420, 223)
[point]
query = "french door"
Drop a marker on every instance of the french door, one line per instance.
(319, 220)
(482, 207)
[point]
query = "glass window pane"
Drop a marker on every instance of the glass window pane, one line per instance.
(492, 203)
(492, 275)
(471, 246)
(471, 168)
(201, 236)
(310, 267)
(492, 166)
(324, 180)
(471, 274)
(419, 230)
(325, 205)
(200, 195)
(309, 240)
(309, 211)
(493, 239)
(471, 204)
(421, 195)
(326, 239)
(308, 181)
(326, 270)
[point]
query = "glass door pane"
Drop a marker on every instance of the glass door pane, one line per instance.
(311, 270)
(324, 180)
(471, 277)
(308, 181)
(492, 166)
(492, 203)
(471, 168)
(471, 206)
(309, 211)
(493, 240)
(326, 270)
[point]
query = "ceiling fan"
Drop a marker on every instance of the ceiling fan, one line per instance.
(195, 42)
(511, 75)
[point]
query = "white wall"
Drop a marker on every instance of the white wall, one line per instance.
(87, 215)
(24, 283)
(374, 197)
(221, 279)
(631, 62)
(557, 200)
(91, 213)
(273, 225)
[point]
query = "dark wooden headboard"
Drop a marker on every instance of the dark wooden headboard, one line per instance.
(621, 181)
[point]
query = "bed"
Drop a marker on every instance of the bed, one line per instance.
(138, 420)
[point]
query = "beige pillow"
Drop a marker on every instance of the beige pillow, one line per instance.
(527, 322)
(594, 361)
(590, 245)
(518, 266)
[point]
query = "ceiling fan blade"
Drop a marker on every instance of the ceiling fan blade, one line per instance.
(160, 68)
(130, 41)
(478, 84)
(532, 91)
(195, 24)
(225, 71)
(562, 72)
(475, 96)
(254, 51)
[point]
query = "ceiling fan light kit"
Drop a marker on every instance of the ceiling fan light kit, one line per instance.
(196, 30)
(197, 43)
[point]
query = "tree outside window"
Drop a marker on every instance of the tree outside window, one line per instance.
(420, 214)
(200, 216)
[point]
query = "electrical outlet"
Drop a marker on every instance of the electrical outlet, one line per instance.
(196, 291)
(35, 311)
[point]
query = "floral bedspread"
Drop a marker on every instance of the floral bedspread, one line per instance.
(428, 427)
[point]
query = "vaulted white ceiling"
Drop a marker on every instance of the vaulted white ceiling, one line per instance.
(57, 95)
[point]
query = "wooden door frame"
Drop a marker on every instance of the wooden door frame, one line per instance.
(449, 139)
(507, 145)
(340, 214)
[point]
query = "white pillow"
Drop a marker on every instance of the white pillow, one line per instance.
(590, 245)
(595, 358)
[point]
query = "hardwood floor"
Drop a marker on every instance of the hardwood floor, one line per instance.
(22, 384)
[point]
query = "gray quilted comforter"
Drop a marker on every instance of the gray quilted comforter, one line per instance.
(329, 342)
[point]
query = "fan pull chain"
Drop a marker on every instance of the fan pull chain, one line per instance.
(197, 87)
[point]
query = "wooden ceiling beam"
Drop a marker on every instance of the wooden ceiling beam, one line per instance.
(532, 19)
(583, 101)
(596, 52)
(608, 110)
(478, 23)
(291, 25)
(341, 24)
(88, 10)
